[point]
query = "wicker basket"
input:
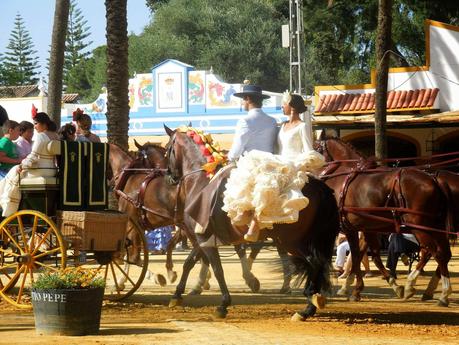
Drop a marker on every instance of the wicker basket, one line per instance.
(89, 230)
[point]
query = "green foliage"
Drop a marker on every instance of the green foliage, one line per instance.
(76, 78)
(20, 62)
(69, 278)
(239, 39)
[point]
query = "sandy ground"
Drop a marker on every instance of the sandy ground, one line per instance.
(262, 318)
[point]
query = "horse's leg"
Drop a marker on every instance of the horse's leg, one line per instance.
(311, 291)
(286, 269)
(188, 265)
(442, 257)
(432, 286)
(214, 259)
(251, 281)
(356, 273)
(255, 249)
(171, 274)
(203, 278)
(375, 251)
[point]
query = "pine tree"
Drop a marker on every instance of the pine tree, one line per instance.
(20, 61)
(75, 43)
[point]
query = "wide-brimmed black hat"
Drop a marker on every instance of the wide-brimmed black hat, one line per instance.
(251, 90)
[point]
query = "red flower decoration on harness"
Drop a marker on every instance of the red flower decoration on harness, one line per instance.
(209, 149)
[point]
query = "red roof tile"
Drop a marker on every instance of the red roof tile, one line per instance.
(365, 102)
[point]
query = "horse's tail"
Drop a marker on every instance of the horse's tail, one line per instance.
(318, 247)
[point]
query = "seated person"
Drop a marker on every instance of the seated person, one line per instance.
(8, 151)
(67, 132)
(399, 244)
(24, 142)
(83, 130)
(39, 161)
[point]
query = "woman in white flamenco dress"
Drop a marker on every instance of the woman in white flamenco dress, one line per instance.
(40, 162)
(265, 188)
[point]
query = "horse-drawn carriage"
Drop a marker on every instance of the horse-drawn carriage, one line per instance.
(63, 221)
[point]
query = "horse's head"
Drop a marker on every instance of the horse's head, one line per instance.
(335, 149)
(151, 155)
(188, 151)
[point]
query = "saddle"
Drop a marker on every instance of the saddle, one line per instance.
(206, 210)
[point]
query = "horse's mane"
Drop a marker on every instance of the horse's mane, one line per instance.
(349, 146)
(155, 146)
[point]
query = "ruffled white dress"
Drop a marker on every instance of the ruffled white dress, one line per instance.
(269, 186)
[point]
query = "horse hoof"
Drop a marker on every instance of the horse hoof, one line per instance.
(318, 300)
(172, 275)
(297, 318)
(254, 285)
(175, 302)
(285, 290)
(160, 280)
(409, 292)
(221, 312)
(426, 297)
(206, 286)
(342, 292)
(353, 298)
(400, 291)
(195, 292)
(443, 302)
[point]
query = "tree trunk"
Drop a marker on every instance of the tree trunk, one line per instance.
(56, 60)
(383, 45)
(117, 73)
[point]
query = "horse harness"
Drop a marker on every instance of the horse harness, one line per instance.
(395, 195)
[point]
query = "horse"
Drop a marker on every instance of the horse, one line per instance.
(387, 200)
(150, 161)
(310, 241)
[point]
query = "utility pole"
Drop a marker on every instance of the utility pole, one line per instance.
(296, 45)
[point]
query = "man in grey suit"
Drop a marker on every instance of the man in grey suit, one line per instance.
(257, 130)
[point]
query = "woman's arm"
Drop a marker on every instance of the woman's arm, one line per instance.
(306, 138)
(34, 156)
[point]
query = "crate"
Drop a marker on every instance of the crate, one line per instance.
(93, 231)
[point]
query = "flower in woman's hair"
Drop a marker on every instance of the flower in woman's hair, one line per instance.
(76, 114)
(286, 97)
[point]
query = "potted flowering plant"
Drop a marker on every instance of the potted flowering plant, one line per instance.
(68, 302)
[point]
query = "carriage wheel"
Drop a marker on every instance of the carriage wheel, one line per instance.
(125, 270)
(30, 245)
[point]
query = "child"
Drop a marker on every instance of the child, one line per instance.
(8, 152)
(24, 142)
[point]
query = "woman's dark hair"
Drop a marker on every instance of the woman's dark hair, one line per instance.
(42, 118)
(24, 126)
(52, 127)
(66, 131)
(297, 103)
(3, 115)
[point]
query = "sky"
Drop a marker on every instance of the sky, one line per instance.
(38, 19)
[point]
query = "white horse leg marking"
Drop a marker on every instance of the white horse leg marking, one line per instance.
(446, 291)
(120, 284)
(410, 283)
(344, 291)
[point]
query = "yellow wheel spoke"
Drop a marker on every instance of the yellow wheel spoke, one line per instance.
(13, 279)
(34, 228)
(42, 240)
(114, 278)
(47, 266)
(14, 264)
(21, 288)
(8, 254)
(106, 273)
(6, 231)
(124, 273)
(21, 229)
(48, 252)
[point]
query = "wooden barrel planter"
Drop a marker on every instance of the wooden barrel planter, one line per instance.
(67, 311)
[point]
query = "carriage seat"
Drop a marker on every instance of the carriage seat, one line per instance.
(33, 182)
